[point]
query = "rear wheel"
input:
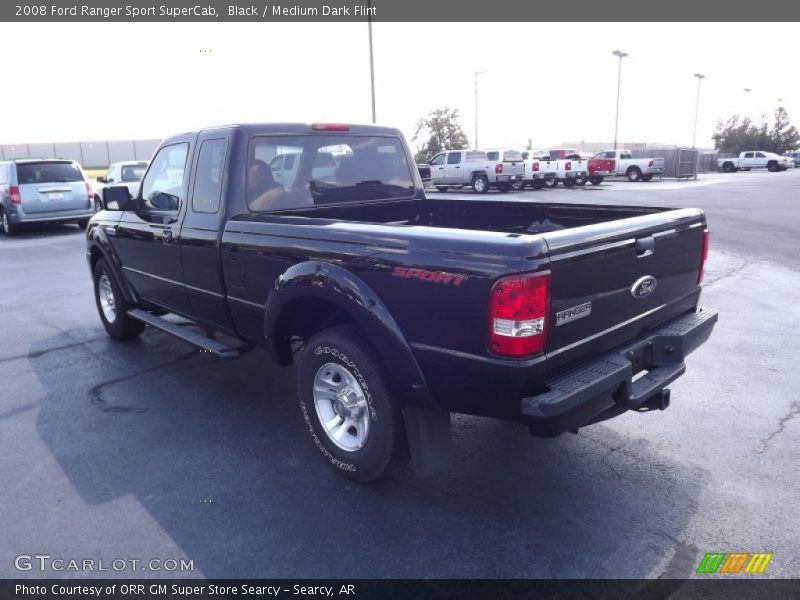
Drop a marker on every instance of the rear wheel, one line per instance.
(569, 183)
(551, 183)
(518, 185)
(646, 177)
(728, 167)
(595, 180)
(504, 187)
(348, 406)
(581, 181)
(441, 188)
(634, 174)
(6, 225)
(480, 184)
(537, 184)
(772, 166)
(112, 306)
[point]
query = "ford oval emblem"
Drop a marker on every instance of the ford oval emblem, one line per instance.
(643, 287)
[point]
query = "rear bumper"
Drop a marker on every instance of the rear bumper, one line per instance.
(19, 216)
(654, 170)
(542, 176)
(601, 173)
(507, 178)
(606, 387)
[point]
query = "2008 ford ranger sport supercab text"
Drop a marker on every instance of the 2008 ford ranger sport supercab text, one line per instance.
(399, 309)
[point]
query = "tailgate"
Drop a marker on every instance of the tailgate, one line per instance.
(513, 163)
(612, 281)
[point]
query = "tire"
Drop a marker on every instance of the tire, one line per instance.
(772, 166)
(83, 223)
(646, 177)
(633, 174)
(728, 167)
(441, 188)
(114, 317)
(504, 187)
(518, 185)
(7, 227)
(537, 184)
(375, 444)
(480, 184)
(581, 181)
(569, 183)
(551, 183)
(595, 180)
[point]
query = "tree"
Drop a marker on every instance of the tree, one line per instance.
(735, 136)
(442, 131)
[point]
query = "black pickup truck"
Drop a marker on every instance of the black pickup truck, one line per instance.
(317, 244)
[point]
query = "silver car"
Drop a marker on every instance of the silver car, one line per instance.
(35, 190)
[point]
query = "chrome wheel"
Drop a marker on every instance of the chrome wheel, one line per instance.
(341, 407)
(105, 293)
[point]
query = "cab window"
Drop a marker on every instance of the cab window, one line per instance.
(437, 160)
(162, 187)
(208, 177)
(454, 158)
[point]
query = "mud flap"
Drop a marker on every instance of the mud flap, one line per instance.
(429, 439)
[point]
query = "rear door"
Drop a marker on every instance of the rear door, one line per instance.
(613, 279)
(453, 168)
(51, 186)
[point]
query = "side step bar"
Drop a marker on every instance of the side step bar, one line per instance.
(187, 335)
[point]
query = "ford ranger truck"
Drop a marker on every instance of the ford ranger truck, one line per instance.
(398, 309)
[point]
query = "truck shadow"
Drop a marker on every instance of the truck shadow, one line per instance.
(218, 455)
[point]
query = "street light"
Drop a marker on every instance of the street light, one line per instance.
(476, 73)
(621, 55)
(700, 77)
(747, 103)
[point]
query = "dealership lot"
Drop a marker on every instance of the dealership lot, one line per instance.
(153, 450)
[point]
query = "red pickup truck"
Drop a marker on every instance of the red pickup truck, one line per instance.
(598, 168)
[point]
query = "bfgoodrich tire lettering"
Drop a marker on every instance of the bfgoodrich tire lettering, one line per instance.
(384, 446)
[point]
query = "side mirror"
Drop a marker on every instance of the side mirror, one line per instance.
(102, 179)
(117, 197)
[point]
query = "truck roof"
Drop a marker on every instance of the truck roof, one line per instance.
(302, 128)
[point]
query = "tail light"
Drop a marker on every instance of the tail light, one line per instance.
(536, 166)
(89, 193)
(330, 127)
(703, 258)
(651, 163)
(498, 168)
(568, 166)
(13, 195)
(518, 309)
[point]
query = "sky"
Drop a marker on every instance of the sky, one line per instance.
(550, 82)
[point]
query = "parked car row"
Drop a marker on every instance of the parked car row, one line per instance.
(755, 159)
(509, 169)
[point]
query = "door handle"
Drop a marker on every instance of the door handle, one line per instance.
(168, 237)
(645, 246)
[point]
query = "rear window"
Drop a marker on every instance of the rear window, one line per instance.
(325, 169)
(476, 156)
(493, 155)
(511, 155)
(48, 172)
(133, 172)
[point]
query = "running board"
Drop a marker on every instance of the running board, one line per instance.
(187, 335)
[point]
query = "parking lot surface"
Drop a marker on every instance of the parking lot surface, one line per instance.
(152, 449)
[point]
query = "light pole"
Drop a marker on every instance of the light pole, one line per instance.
(621, 55)
(747, 103)
(700, 78)
(476, 73)
(371, 59)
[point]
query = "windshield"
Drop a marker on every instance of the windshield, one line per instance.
(48, 172)
(133, 172)
(325, 169)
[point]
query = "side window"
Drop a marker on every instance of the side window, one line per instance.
(610, 155)
(626, 155)
(454, 158)
(110, 175)
(208, 177)
(760, 155)
(437, 160)
(163, 185)
(748, 155)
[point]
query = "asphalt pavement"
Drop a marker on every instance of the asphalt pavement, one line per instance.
(154, 450)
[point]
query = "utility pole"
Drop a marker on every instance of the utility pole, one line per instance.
(621, 55)
(700, 78)
(371, 59)
(476, 73)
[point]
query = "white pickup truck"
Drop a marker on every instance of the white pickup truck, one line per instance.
(635, 169)
(571, 168)
(540, 170)
(462, 168)
(754, 159)
(128, 173)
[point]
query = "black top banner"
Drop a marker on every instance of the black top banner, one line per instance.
(397, 11)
